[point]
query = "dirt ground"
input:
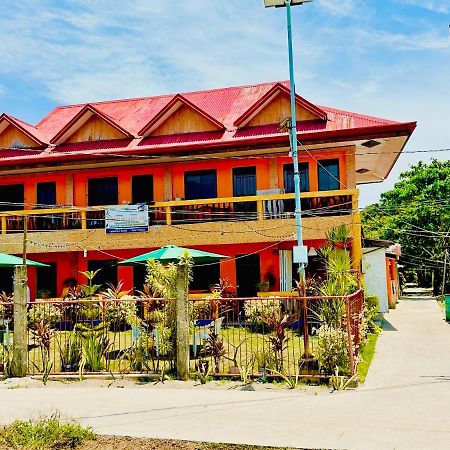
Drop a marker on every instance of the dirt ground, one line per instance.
(144, 382)
(125, 443)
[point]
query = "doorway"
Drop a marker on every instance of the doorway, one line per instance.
(107, 274)
(46, 281)
(248, 275)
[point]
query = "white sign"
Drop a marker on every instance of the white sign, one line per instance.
(126, 219)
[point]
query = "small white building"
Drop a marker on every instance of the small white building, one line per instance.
(379, 267)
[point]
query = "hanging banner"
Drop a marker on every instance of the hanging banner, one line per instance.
(126, 219)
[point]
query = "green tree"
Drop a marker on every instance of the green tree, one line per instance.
(416, 214)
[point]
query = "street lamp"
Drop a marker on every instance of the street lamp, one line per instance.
(300, 252)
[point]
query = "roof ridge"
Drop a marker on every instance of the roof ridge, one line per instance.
(355, 114)
(120, 100)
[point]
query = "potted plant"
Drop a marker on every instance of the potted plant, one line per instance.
(70, 352)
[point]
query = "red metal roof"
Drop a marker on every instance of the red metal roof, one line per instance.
(223, 106)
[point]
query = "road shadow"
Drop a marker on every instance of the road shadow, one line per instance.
(387, 326)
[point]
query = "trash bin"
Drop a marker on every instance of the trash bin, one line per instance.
(447, 307)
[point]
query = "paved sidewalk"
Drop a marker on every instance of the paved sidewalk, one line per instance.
(403, 405)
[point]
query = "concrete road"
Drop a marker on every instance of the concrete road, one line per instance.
(405, 403)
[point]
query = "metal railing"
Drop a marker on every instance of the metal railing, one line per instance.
(260, 207)
(233, 337)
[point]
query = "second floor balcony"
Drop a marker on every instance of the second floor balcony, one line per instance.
(266, 206)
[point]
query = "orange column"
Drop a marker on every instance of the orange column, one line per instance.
(125, 195)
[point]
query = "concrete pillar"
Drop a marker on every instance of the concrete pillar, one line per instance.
(20, 342)
(182, 308)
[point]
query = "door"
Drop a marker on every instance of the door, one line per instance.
(107, 274)
(244, 184)
(46, 281)
(248, 275)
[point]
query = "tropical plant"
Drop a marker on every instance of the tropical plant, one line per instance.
(340, 279)
(95, 346)
(277, 322)
(90, 289)
(44, 312)
(214, 347)
(70, 351)
(256, 310)
(137, 357)
(337, 235)
(369, 315)
(341, 382)
(43, 333)
(332, 350)
(6, 305)
(6, 358)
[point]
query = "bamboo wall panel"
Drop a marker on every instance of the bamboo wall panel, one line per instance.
(95, 129)
(184, 120)
(206, 233)
(13, 137)
(278, 109)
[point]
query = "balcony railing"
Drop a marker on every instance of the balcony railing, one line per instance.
(260, 207)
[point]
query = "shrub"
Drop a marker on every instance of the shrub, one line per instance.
(45, 434)
(118, 312)
(370, 313)
(332, 350)
(44, 312)
(257, 310)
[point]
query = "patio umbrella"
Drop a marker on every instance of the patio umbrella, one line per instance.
(7, 260)
(172, 253)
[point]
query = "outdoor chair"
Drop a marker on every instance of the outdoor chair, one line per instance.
(202, 331)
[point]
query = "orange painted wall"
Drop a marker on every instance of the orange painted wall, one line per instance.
(70, 264)
(224, 177)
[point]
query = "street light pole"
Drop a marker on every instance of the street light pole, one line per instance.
(300, 251)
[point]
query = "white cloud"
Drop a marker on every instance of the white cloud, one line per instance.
(346, 55)
(438, 6)
(340, 8)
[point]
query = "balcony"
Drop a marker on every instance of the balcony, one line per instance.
(186, 222)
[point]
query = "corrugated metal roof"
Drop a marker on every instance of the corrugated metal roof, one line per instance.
(224, 105)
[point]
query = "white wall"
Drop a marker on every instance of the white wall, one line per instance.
(374, 268)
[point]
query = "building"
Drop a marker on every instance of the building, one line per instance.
(380, 269)
(213, 167)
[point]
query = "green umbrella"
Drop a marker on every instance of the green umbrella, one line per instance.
(172, 253)
(11, 261)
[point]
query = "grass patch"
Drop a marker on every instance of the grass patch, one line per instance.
(367, 353)
(47, 434)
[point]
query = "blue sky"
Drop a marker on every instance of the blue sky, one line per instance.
(389, 58)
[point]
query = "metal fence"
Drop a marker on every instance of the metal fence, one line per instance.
(235, 337)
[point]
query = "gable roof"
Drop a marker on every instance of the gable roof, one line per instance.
(172, 106)
(225, 107)
(80, 118)
(29, 130)
(271, 94)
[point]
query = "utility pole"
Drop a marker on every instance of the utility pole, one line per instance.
(300, 251)
(444, 277)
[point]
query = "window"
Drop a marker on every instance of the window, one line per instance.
(46, 281)
(11, 197)
(103, 191)
(200, 184)
(46, 193)
(204, 276)
(328, 175)
(142, 189)
(244, 181)
(288, 177)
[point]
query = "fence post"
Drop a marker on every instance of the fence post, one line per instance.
(182, 310)
(20, 341)
(307, 352)
(349, 335)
